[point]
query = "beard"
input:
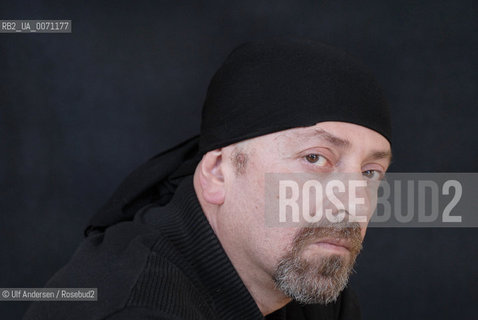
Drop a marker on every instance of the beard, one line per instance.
(322, 279)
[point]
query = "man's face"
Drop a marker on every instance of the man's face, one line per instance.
(307, 262)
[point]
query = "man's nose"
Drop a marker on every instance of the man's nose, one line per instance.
(352, 193)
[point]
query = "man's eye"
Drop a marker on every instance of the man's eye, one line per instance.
(373, 174)
(316, 159)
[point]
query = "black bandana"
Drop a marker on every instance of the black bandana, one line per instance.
(269, 86)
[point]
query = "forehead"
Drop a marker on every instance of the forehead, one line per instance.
(342, 134)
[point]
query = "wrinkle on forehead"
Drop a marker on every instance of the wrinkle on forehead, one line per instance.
(305, 134)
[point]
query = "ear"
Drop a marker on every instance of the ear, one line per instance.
(211, 177)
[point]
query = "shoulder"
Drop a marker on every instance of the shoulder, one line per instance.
(169, 285)
(134, 268)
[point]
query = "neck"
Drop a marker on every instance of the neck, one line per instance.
(259, 283)
(257, 280)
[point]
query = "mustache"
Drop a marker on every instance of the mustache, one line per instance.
(325, 229)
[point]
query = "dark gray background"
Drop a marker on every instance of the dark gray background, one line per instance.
(79, 111)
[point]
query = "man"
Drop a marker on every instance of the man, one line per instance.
(185, 236)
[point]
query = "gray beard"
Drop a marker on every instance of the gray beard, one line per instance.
(323, 279)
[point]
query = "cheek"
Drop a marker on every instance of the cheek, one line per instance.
(279, 241)
(247, 191)
(245, 203)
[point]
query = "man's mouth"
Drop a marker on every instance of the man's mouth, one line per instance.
(334, 244)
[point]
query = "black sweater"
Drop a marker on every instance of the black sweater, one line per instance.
(166, 264)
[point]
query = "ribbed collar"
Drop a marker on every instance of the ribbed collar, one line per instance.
(183, 222)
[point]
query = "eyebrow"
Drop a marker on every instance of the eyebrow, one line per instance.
(344, 143)
(378, 155)
(322, 134)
